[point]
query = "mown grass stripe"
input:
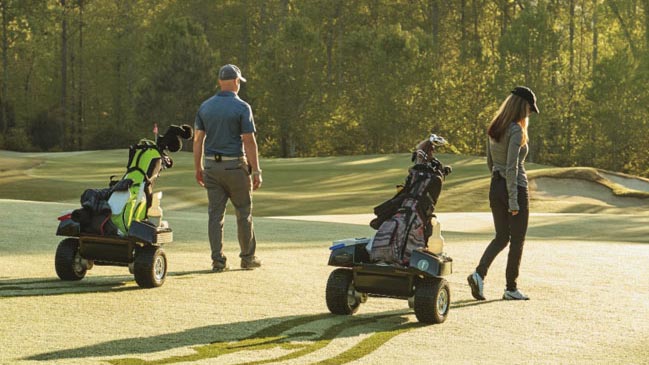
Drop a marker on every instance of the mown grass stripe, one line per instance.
(368, 345)
(271, 337)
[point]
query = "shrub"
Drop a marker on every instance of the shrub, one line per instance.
(18, 139)
(45, 129)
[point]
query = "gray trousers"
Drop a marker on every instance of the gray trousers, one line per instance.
(229, 180)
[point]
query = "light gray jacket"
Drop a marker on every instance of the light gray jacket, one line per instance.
(508, 158)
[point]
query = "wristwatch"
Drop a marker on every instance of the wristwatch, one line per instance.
(256, 173)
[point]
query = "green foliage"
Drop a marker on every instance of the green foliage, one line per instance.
(338, 77)
(8, 117)
(109, 136)
(45, 129)
(17, 139)
(617, 111)
(180, 70)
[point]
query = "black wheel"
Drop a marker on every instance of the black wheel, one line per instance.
(150, 266)
(342, 298)
(432, 300)
(68, 261)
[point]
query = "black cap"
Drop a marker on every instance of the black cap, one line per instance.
(527, 94)
(230, 72)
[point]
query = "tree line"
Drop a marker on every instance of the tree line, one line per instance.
(329, 77)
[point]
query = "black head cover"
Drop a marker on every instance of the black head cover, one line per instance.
(171, 140)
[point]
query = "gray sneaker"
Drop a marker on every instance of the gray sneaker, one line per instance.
(475, 282)
(249, 264)
(515, 295)
(219, 266)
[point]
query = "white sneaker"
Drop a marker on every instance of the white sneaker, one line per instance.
(515, 295)
(475, 282)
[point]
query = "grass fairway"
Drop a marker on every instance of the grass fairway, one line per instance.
(586, 274)
(300, 186)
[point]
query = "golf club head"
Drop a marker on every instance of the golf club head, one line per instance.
(437, 141)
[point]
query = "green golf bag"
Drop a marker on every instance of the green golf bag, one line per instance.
(111, 211)
(131, 201)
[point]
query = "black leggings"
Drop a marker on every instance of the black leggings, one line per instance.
(508, 228)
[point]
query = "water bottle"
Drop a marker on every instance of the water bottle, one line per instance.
(436, 241)
(155, 212)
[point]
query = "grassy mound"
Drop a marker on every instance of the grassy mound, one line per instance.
(298, 186)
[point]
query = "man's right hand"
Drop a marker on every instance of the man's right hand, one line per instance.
(256, 181)
(199, 177)
(199, 143)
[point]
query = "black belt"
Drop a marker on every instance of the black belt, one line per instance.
(219, 158)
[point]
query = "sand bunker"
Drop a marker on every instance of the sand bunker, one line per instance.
(629, 182)
(580, 196)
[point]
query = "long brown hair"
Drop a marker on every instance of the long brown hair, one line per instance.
(513, 109)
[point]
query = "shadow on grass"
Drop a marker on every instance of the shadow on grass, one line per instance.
(189, 274)
(294, 336)
(472, 303)
(36, 287)
(297, 336)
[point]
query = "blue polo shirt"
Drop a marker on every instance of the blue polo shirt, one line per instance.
(224, 117)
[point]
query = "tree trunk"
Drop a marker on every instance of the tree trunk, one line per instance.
(72, 102)
(129, 63)
(245, 36)
(5, 69)
(285, 128)
(476, 48)
(331, 38)
(571, 78)
(595, 35)
(646, 24)
(582, 27)
(64, 70)
(435, 24)
(80, 90)
(121, 26)
(572, 39)
(284, 9)
(505, 16)
(625, 28)
(463, 37)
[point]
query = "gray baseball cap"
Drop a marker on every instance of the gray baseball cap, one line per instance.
(230, 72)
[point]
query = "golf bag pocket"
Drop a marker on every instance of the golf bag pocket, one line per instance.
(415, 239)
(118, 200)
(398, 236)
(127, 206)
(381, 250)
(94, 215)
(389, 239)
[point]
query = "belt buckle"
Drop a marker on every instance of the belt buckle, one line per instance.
(218, 158)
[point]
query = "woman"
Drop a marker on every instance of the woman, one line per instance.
(508, 195)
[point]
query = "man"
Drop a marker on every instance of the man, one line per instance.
(225, 158)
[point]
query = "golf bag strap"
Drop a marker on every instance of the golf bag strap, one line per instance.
(136, 168)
